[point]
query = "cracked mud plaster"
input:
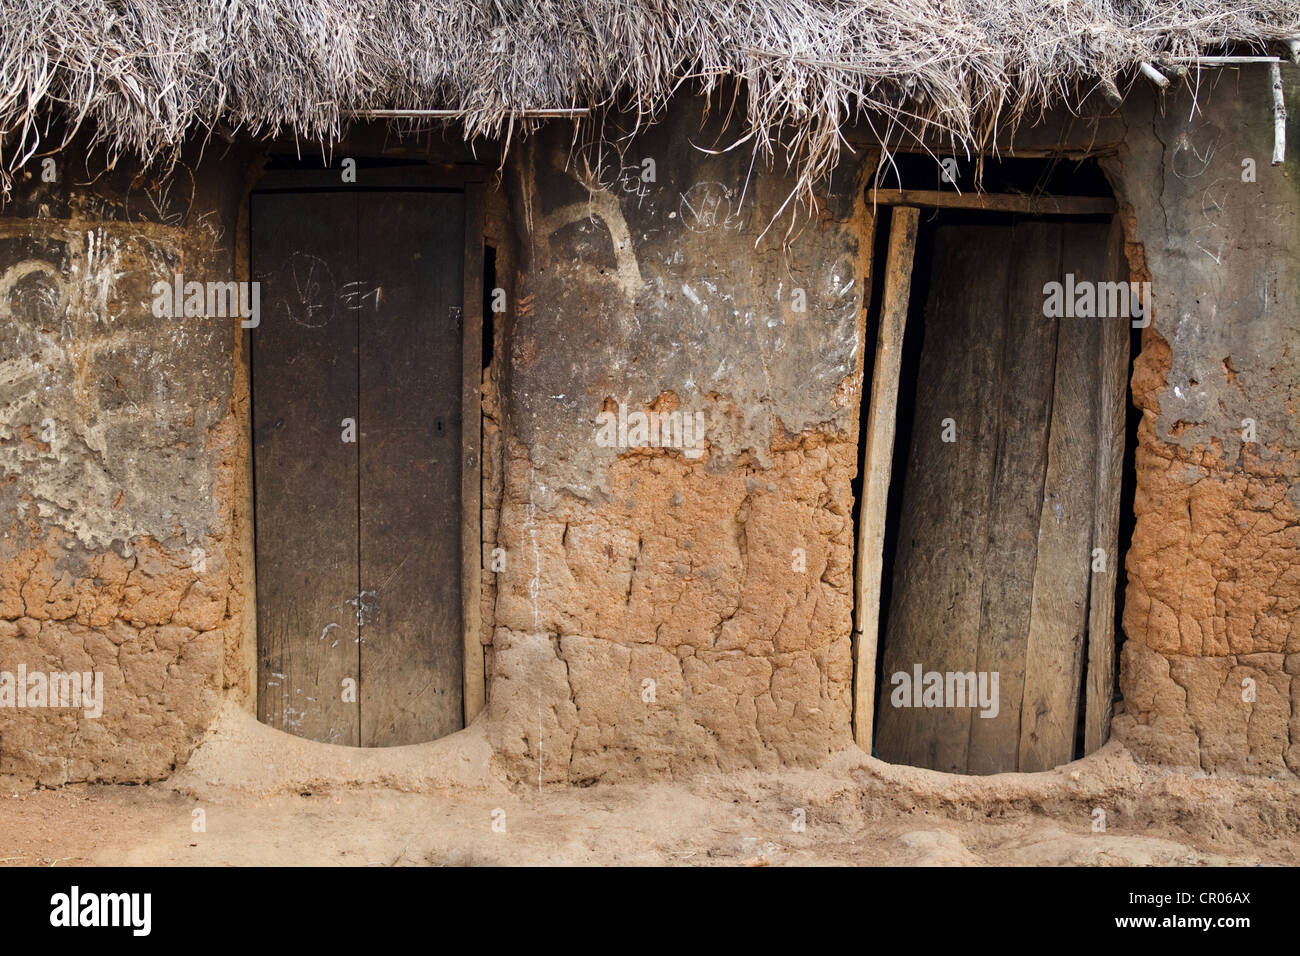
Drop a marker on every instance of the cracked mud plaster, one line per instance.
(154, 629)
(683, 578)
(117, 461)
(1214, 570)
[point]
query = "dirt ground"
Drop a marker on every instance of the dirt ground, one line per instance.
(855, 810)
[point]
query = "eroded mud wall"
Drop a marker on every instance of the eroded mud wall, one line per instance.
(1210, 673)
(668, 607)
(117, 457)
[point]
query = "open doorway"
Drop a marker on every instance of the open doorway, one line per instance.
(999, 523)
(364, 376)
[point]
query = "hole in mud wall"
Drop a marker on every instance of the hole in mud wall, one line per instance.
(991, 573)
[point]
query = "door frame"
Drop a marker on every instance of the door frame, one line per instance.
(876, 464)
(470, 180)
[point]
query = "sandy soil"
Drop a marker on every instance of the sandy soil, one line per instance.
(856, 810)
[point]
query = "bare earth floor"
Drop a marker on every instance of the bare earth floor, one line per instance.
(857, 811)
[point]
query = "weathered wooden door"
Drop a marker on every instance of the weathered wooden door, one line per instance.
(356, 385)
(1012, 481)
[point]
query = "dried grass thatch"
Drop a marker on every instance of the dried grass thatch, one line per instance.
(145, 72)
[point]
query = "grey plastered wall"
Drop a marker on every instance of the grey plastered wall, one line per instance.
(115, 437)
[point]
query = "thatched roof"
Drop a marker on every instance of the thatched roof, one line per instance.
(143, 74)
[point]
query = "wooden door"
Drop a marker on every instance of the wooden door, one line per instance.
(1011, 483)
(356, 385)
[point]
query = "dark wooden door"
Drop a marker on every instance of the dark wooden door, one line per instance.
(994, 570)
(356, 385)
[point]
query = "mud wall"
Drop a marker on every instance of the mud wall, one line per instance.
(1210, 673)
(657, 605)
(666, 607)
(117, 452)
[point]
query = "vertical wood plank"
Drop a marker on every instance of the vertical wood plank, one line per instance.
(474, 677)
(934, 613)
(1059, 618)
(877, 461)
(1020, 461)
(408, 297)
(304, 383)
(1112, 406)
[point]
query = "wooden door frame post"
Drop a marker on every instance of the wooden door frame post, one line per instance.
(473, 669)
(877, 463)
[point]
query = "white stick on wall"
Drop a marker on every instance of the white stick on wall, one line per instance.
(1279, 116)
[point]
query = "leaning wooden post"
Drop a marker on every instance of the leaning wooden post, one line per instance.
(877, 460)
(1112, 397)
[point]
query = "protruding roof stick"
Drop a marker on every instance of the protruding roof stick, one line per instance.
(1155, 76)
(1218, 60)
(459, 114)
(1110, 92)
